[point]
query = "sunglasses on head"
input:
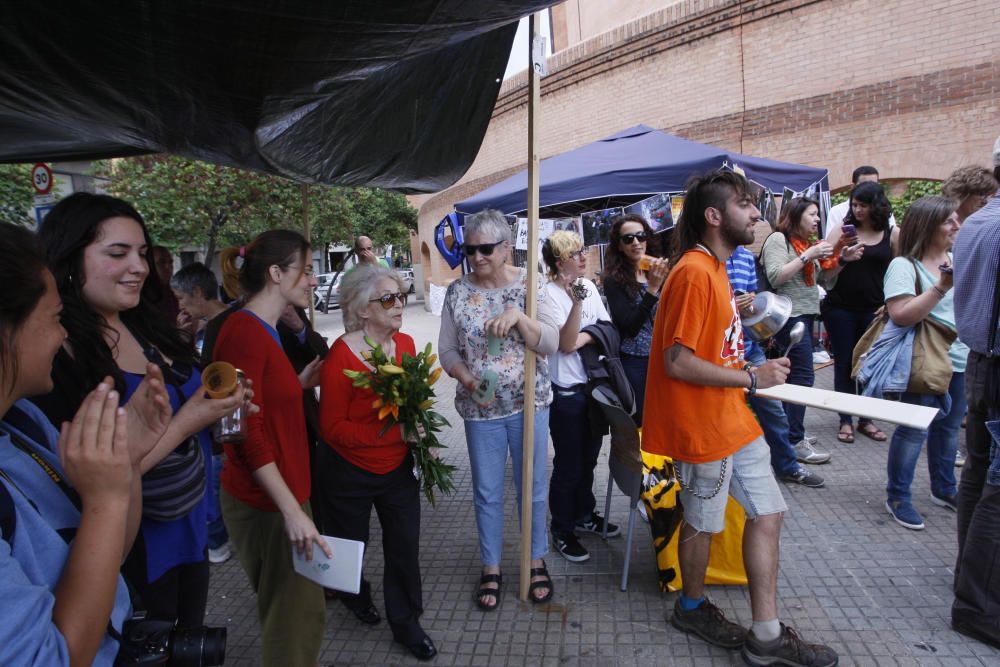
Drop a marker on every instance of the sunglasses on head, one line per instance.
(484, 249)
(627, 239)
(389, 300)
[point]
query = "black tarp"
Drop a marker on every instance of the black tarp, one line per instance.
(390, 94)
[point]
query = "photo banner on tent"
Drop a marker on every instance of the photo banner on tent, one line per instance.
(597, 225)
(655, 210)
(545, 228)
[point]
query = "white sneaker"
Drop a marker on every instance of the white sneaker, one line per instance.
(959, 460)
(805, 453)
(810, 438)
(220, 555)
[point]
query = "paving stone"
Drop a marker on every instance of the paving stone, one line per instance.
(850, 577)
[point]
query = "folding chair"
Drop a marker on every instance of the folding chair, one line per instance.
(624, 466)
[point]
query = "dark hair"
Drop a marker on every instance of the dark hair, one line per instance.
(617, 264)
(703, 192)
(22, 275)
(279, 247)
(791, 215)
(871, 193)
(68, 229)
(197, 275)
(864, 170)
(922, 219)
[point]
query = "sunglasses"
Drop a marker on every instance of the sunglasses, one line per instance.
(484, 249)
(389, 300)
(627, 239)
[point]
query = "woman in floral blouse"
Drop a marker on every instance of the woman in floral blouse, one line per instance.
(484, 334)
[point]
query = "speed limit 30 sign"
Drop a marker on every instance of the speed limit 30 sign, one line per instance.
(41, 178)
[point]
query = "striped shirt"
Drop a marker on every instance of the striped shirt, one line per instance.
(977, 253)
(742, 269)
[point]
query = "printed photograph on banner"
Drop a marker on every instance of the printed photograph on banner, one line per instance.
(676, 206)
(521, 234)
(655, 210)
(597, 225)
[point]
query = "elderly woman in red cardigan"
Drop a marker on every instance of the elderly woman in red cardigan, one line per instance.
(362, 466)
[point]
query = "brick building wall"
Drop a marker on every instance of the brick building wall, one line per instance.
(910, 86)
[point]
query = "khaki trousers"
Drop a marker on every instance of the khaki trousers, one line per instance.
(291, 608)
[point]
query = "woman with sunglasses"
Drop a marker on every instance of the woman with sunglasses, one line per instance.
(366, 465)
(484, 334)
(633, 294)
(574, 303)
(266, 479)
(98, 249)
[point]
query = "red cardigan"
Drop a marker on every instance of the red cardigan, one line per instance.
(276, 434)
(347, 419)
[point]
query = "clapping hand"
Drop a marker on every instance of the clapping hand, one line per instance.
(309, 376)
(149, 413)
(94, 448)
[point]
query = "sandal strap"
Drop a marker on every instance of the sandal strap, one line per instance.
(539, 572)
(490, 579)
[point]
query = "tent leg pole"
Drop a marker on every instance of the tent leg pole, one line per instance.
(530, 301)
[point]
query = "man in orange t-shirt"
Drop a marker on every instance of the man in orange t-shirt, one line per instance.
(698, 375)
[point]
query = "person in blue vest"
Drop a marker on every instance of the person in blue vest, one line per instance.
(70, 500)
(785, 457)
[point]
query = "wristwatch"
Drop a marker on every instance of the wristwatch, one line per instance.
(802, 258)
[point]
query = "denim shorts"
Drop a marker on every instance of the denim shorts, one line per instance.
(748, 477)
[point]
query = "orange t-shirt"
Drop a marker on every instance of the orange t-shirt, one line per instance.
(689, 422)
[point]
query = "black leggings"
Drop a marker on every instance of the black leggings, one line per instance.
(180, 595)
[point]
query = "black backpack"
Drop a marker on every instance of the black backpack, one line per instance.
(19, 419)
(603, 365)
(763, 284)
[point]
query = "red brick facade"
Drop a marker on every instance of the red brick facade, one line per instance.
(910, 86)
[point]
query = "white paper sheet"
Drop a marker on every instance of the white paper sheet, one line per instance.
(342, 572)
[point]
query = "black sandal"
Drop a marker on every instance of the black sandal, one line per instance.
(484, 591)
(535, 585)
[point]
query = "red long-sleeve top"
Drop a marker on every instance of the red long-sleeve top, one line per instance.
(347, 419)
(276, 434)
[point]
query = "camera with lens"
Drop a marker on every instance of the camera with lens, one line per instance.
(148, 642)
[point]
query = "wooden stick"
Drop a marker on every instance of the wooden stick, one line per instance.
(894, 412)
(530, 299)
(307, 232)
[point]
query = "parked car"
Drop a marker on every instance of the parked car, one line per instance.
(320, 292)
(407, 276)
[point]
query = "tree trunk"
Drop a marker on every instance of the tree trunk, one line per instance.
(218, 220)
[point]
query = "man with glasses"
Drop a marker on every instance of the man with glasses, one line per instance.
(698, 379)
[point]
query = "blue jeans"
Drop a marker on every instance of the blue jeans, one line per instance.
(773, 421)
(489, 442)
(635, 370)
(571, 492)
(802, 373)
(217, 535)
(845, 328)
(942, 444)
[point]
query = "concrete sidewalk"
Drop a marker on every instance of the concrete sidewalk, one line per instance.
(850, 576)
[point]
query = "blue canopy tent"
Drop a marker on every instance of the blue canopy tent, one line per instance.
(631, 165)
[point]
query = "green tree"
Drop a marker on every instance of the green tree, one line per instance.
(188, 202)
(15, 193)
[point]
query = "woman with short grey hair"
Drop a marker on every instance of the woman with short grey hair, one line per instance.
(482, 343)
(367, 464)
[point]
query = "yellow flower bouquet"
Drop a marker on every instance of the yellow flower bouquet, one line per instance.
(404, 396)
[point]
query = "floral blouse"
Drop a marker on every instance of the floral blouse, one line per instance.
(463, 338)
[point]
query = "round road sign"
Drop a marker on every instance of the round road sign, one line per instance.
(41, 178)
